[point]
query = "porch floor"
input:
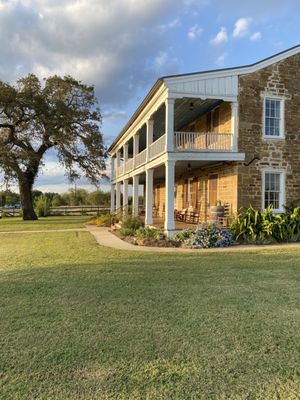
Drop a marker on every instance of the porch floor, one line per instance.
(179, 225)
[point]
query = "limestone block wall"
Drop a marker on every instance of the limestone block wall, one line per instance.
(280, 79)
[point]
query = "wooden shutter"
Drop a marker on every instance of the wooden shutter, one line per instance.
(208, 122)
(213, 189)
(195, 193)
(216, 120)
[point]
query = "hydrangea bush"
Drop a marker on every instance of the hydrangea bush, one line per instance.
(205, 236)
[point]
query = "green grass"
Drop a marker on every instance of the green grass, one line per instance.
(79, 321)
(51, 223)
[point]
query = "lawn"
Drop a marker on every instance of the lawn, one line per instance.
(79, 321)
(49, 223)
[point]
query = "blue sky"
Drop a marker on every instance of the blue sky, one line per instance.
(123, 46)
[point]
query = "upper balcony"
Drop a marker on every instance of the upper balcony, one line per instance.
(188, 128)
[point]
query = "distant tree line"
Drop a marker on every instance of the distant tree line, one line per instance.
(73, 197)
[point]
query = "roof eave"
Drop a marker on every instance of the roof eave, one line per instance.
(143, 104)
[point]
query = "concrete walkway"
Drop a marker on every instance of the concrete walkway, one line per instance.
(45, 231)
(106, 238)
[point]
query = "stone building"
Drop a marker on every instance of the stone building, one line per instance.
(229, 136)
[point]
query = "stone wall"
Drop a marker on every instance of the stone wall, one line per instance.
(280, 79)
(226, 191)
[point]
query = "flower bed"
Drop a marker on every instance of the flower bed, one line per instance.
(204, 236)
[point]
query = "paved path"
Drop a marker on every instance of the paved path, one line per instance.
(105, 238)
(45, 231)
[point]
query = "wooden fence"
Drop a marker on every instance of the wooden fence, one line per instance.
(60, 210)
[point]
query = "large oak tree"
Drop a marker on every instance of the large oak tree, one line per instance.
(58, 113)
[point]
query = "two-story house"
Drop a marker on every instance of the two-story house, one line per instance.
(230, 135)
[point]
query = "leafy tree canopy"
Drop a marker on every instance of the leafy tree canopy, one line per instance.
(59, 113)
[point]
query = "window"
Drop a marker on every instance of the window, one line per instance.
(273, 118)
(273, 190)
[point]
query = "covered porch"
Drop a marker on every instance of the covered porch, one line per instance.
(178, 194)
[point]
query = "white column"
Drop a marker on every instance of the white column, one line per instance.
(149, 136)
(135, 196)
(234, 125)
(170, 124)
(149, 197)
(112, 168)
(118, 195)
(125, 155)
(170, 182)
(136, 142)
(118, 162)
(112, 198)
(125, 195)
(118, 158)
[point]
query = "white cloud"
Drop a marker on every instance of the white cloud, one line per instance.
(104, 43)
(194, 32)
(241, 27)
(221, 36)
(220, 61)
(255, 36)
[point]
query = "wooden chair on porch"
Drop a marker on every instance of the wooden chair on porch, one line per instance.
(180, 215)
(224, 220)
(192, 216)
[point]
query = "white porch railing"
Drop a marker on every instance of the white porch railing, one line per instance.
(157, 147)
(140, 158)
(129, 165)
(203, 141)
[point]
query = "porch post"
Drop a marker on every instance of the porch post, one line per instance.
(118, 158)
(234, 125)
(170, 124)
(170, 182)
(149, 136)
(135, 196)
(112, 168)
(149, 197)
(136, 141)
(112, 198)
(118, 195)
(125, 153)
(125, 195)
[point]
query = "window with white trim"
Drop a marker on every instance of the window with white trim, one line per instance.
(273, 117)
(273, 190)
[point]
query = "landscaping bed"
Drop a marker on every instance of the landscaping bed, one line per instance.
(247, 228)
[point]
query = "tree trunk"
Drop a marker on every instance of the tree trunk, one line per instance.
(25, 187)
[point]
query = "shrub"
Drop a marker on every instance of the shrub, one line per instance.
(42, 206)
(148, 233)
(256, 226)
(132, 222)
(184, 235)
(123, 232)
(102, 220)
(205, 236)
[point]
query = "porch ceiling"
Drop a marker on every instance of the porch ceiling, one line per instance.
(182, 167)
(183, 114)
(186, 110)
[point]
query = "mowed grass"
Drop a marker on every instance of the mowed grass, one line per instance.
(79, 321)
(10, 224)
